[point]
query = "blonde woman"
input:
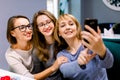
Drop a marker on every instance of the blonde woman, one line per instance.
(83, 63)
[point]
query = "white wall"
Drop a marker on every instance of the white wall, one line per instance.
(9, 8)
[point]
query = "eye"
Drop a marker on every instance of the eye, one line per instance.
(71, 23)
(40, 25)
(62, 25)
(48, 22)
(22, 27)
(29, 25)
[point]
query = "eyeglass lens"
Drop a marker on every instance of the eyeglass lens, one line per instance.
(42, 24)
(24, 27)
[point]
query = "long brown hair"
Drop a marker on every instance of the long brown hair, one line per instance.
(38, 39)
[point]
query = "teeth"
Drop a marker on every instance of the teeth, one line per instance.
(69, 31)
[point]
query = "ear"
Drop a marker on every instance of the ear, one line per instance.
(12, 33)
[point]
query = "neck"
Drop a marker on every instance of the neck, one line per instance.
(49, 40)
(22, 46)
(73, 45)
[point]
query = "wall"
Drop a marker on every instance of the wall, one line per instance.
(75, 8)
(82, 9)
(97, 9)
(9, 8)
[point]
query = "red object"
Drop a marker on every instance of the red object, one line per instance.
(5, 78)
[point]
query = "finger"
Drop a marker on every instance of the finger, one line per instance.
(99, 31)
(92, 55)
(92, 31)
(89, 37)
(84, 60)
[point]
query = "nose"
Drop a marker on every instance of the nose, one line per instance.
(29, 31)
(67, 26)
(45, 25)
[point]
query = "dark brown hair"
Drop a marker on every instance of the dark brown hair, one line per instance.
(10, 26)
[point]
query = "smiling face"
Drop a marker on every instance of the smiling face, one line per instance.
(45, 25)
(18, 34)
(67, 28)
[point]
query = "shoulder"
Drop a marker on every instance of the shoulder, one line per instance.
(62, 52)
(11, 54)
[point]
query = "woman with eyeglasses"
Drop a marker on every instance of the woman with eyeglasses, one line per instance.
(43, 40)
(20, 55)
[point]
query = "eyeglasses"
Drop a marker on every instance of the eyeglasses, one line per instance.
(42, 24)
(23, 28)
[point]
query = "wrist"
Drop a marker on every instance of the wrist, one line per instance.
(103, 52)
(52, 68)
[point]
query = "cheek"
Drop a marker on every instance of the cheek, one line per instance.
(52, 25)
(60, 32)
(40, 29)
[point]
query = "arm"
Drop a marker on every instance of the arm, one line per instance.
(69, 69)
(19, 68)
(97, 46)
(16, 65)
(44, 74)
(108, 60)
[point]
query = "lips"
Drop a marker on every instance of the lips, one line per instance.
(28, 34)
(48, 29)
(68, 31)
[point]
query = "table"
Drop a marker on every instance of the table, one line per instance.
(7, 75)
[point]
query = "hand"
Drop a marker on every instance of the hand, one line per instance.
(85, 57)
(95, 41)
(60, 60)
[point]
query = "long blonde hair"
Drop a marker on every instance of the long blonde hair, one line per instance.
(61, 44)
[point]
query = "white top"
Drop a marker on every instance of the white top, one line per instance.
(20, 61)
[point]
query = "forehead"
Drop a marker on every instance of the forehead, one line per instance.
(65, 18)
(21, 21)
(42, 18)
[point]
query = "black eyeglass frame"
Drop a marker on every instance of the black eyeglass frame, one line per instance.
(47, 23)
(23, 28)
